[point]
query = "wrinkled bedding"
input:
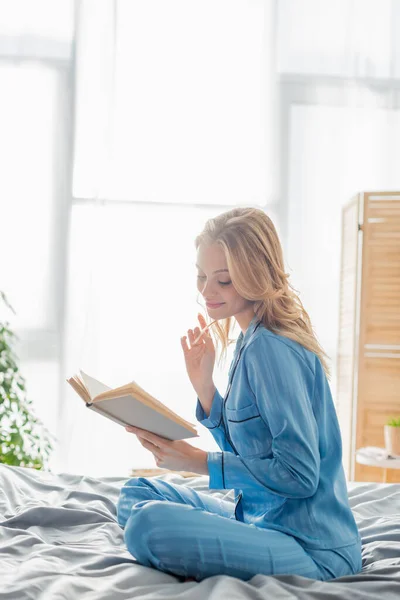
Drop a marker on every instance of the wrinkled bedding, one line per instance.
(59, 539)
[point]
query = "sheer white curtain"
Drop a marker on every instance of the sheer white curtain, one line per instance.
(345, 38)
(36, 40)
(175, 124)
(339, 67)
(175, 101)
(343, 150)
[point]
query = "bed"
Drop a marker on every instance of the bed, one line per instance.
(59, 539)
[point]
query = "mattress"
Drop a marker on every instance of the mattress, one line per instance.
(59, 539)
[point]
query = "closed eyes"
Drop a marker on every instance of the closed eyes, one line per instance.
(220, 282)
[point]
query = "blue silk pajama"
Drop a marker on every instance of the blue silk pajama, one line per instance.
(281, 452)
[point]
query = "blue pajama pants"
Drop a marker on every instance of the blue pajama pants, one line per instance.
(186, 533)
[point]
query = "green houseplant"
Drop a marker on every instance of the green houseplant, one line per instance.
(392, 437)
(24, 441)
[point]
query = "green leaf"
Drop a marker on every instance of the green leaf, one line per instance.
(24, 440)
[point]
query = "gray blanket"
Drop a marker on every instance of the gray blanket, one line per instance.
(59, 540)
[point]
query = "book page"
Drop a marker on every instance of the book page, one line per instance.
(93, 386)
(79, 387)
(139, 394)
(127, 410)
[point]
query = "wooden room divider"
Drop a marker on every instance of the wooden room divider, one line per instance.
(368, 366)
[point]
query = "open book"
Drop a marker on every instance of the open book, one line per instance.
(131, 405)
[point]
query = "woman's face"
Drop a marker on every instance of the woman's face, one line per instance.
(215, 285)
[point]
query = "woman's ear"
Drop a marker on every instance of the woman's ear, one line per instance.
(256, 305)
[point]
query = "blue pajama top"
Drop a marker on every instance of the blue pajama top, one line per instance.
(280, 442)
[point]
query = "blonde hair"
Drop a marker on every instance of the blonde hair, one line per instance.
(255, 261)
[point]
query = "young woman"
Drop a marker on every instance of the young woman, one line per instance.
(276, 427)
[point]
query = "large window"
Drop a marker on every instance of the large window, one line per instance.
(179, 113)
(335, 152)
(36, 40)
(339, 69)
(176, 111)
(173, 126)
(345, 38)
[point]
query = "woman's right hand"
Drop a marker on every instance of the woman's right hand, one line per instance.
(200, 357)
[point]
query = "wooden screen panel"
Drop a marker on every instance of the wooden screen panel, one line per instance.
(381, 376)
(378, 394)
(347, 329)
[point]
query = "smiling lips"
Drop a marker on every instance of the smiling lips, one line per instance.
(214, 305)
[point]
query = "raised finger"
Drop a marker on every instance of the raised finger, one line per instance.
(191, 336)
(202, 320)
(184, 344)
(205, 325)
(199, 336)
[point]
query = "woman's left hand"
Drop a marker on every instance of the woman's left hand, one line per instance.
(174, 455)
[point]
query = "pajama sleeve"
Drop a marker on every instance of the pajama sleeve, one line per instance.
(214, 421)
(282, 383)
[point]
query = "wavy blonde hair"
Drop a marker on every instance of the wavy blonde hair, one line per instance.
(255, 261)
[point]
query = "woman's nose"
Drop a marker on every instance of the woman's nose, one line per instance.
(208, 289)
